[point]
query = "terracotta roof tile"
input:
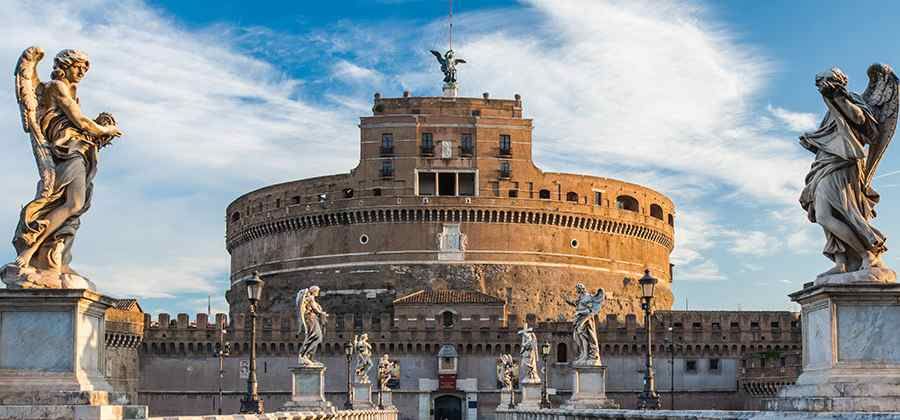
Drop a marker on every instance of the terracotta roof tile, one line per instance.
(444, 297)
(127, 305)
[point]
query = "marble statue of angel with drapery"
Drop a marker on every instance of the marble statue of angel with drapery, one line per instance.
(385, 370)
(66, 146)
(584, 325)
(506, 371)
(849, 144)
(529, 353)
(363, 351)
(311, 319)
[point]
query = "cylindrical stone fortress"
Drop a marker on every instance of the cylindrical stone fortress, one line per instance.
(446, 196)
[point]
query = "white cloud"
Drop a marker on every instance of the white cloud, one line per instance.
(795, 121)
(753, 243)
(705, 271)
(350, 72)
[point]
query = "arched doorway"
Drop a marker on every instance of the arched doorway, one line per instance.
(448, 407)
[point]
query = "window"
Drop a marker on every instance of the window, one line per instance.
(716, 326)
(427, 183)
(598, 198)
(735, 326)
(656, 211)
(466, 184)
(690, 366)
(447, 319)
(505, 171)
(387, 144)
(376, 192)
(447, 183)
(544, 194)
(505, 145)
(467, 148)
(754, 325)
(348, 192)
(775, 325)
(387, 168)
(277, 203)
(572, 196)
(671, 220)
(295, 200)
(513, 193)
(427, 144)
(235, 216)
(697, 326)
(561, 354)
(627, 202)
(713, 365)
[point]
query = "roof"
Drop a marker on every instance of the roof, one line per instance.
(443, 297)
(127, 305)
(448, 350)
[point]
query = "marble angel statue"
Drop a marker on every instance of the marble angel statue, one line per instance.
(448, 65)
(506, 371)
(848, 145)
(584, 332)
(66, 145)
(529, 354)
(363, 351)
(311, 319)
(385, 370)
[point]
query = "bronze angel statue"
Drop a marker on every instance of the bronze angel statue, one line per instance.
(448, 66)
(849, 144)
(66, 146)
(311, 320)
(584, 325)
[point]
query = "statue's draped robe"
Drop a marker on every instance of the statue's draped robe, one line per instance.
(75, 155)
(838, 175)
(314, 333)
(585, 332)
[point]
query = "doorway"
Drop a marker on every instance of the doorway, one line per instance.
(448, 407)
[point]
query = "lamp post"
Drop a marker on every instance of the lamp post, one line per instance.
(252, 404)
(348, 352)
(545, 355)
(671, 367)
(223, 351)
(649, 399)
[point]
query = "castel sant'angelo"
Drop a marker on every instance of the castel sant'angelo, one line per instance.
(446, 195)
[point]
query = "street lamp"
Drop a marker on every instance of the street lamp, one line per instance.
(252, 404)
(671, 366)
(348, 352)
(545, 355)
(649, 399)
(222, 352)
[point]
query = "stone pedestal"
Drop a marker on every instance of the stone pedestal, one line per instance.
(52, 357)
(531, 395)
(362, 396)
(386, 399)
(450, 90)
(851, 349)
(589, 389)
(507, 399)
(308, 389)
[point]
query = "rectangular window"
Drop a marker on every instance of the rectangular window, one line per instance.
(775, 325)
(505, 145)
(427, 183)
(387, 168)
(690, 366)
(446, 183)
(754, 325)
(467, 184)
(505, 171)
(427, 144)
(713, 365)
(387, 144)
(716, 326)
(530, 190)
(513, 193)
(598, 198)
(467, 148)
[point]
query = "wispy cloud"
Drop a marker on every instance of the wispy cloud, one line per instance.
(795, 121)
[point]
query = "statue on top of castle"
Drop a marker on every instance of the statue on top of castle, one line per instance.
(506, 371)
(584, 332)
(363, 357)
(385, 371)
(66, 146)
(311, 319)
(448, 66)
(529, 354)
(849, 144)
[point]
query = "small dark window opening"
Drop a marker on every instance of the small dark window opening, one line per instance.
(277, 203)
(427, 144)
(505, 170)
(295, 199)
(627, 202)
(735, 326)
(754, 325)
(656, 211)
(348, 192)
(598, 198)
(235, 216)
(513, 193)
(467, 148)
(387, 144)
(775, 325)
(713, 364)
(562, 355)
(544, 194)
(387, 168)
(376, 192)
(572, 196)
(690, 366)
(505, 145)
(447, 319)
(671, 220)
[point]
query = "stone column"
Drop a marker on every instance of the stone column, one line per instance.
(52, 356)
(308, 389)
(851, 349)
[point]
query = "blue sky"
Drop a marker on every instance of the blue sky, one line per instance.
(700, 100)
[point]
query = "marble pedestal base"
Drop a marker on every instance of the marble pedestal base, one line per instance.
(450, 90)
(52, 356)
(362, 396)
(385, 400)
(507, 399)
(308, 389)
(589, 389)
(851, 350)
(531, 395)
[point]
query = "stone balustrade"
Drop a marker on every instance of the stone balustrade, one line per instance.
(298, 415)
(560, 414)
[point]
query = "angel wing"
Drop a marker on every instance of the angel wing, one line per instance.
(460, 61)
(300, 304)
(882, 96)
(440, 58)
(597, 301)
(28, 92)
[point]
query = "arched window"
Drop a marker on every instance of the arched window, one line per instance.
(235, 216)
(447, 319)
(671, 220)
(572, 196)
(544, 194)
(656, 211)
(561, 353)
(627, 202)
